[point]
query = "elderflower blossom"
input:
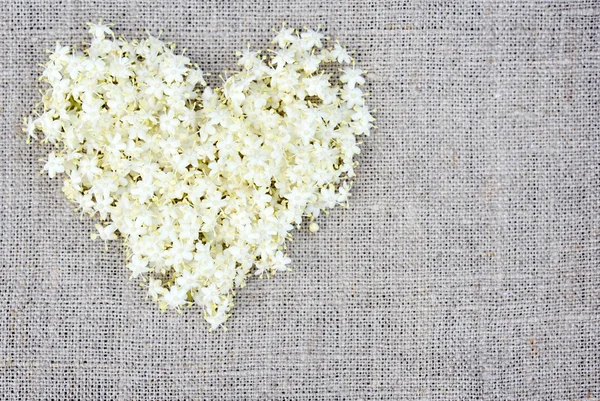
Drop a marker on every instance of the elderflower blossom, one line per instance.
(204, 185)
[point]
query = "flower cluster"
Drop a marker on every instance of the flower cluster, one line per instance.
(203, 184)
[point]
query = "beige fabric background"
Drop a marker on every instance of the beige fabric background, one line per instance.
(466, 269)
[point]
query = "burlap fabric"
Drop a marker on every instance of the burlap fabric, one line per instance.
(466, 268)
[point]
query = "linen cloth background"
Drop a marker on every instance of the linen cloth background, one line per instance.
(466, 267)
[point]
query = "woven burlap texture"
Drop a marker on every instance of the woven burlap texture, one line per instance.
(467, 267)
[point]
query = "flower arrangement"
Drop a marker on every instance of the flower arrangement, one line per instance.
(204, 185)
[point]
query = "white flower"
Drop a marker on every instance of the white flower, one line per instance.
(340, 54)
(286, 56)
(352, 76)
(138, 266)
(189, 280)
(353, 97)
(195, 76)
(344, 193)
(311, 39)
(54, 164)
(285, 37)
(280, 261)
(175, 297)
(31, 125)
(107, 232)
(99, 31)
(210, 294)
(155, 289)
(217, 317)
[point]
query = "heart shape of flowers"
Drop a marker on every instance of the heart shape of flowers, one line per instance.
(203, 185)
